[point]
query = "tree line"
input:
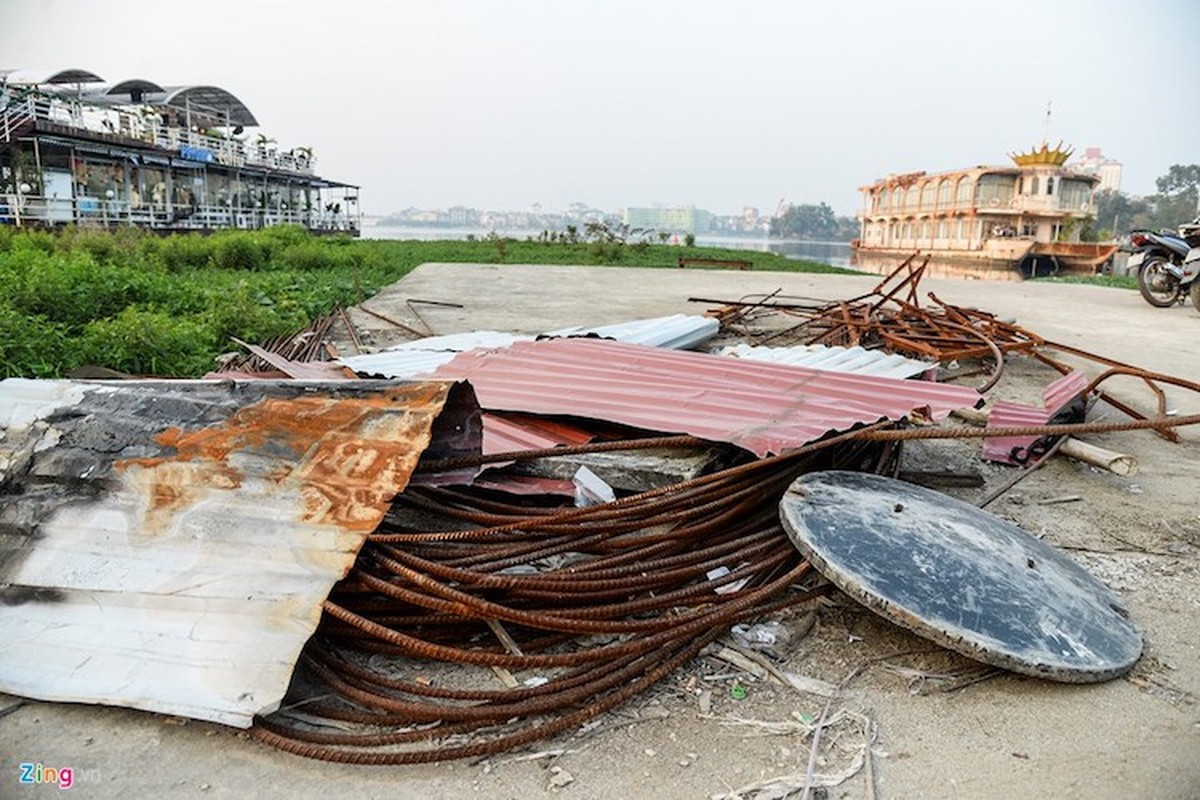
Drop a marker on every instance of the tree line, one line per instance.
(1175, 202)
(815, 223)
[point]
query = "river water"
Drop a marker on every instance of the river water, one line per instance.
(834, 253)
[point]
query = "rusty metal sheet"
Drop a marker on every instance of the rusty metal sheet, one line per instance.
(764, 408)
(174, 540)
(505, 433)
(1005, 414)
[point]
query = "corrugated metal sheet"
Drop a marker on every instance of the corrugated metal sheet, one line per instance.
(508, 433)
(765, 408)
(421, 358)
(675, 332)
(1004, 414)
(856, 360)
(174, 541)
(1062, 392)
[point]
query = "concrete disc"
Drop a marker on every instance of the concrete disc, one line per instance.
(959, 576)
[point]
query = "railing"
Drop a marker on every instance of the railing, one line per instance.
(147, 127)
(16, 115)
(36, 210)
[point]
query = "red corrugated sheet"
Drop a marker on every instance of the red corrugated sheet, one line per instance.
(1004, 414)
(505, 433)
(765, 408)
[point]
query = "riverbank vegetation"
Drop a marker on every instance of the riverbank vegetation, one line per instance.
(150, 305)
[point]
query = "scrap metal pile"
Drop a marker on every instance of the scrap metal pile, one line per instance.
(588, 607)
(497, 602)
(580, 609)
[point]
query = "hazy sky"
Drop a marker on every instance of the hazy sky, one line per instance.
(511, 103)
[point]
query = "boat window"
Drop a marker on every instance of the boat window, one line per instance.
(928, 196)
(912, 198)
(1050, 185)
(945, 190)
(1074, 194)
(995, 191)
(1033, 184)
(964, 193)
(897, 199)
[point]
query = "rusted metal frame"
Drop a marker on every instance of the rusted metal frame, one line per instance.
(1166, 433)
(898, 342)
(878, 290)
(995, 351)
(849, 324)
(1011, 331)
(910, 280)
(1056, 429)
(396, 323)
(1150, 378)
(351, 331)
(412, 303)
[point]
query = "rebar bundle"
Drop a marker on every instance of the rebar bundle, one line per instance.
(599, 603)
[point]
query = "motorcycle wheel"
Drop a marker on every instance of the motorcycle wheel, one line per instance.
(1158, 286)
(1194, 293)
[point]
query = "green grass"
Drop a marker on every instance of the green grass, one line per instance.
(1112, 281)
(145, 304)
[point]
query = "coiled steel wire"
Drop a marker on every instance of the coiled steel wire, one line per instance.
(601, 601)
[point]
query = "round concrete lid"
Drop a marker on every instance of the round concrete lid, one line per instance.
(959, 576)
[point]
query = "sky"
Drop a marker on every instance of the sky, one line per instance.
(528, 104)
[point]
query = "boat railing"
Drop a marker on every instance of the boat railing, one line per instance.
(32, 210)
(145, 125)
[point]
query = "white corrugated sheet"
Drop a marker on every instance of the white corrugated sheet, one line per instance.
(855, 360)
(422, 357)
(675, 332)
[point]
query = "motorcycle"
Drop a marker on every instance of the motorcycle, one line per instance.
(1167, 264)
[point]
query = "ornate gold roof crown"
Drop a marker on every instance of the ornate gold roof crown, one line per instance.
(1045, 156)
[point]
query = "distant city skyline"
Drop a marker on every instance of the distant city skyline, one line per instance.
(711, 103)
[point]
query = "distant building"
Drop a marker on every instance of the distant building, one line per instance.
(1108, 170)
(684, 219)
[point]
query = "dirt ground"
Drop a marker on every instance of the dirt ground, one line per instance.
(929, 724)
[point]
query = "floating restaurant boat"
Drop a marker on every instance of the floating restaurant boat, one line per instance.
(995, 222)
(77, 150)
